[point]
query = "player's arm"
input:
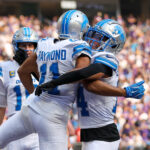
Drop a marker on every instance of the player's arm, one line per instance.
(98, 70)
(82, 61)
(98, 87)
(2, 114)
(26, 69)
(102, 88)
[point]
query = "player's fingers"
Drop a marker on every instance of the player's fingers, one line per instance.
(140, 83)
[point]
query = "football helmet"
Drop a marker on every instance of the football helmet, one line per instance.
(72, 24)
(25, 34)
(106, 35)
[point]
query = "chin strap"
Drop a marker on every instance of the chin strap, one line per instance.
(20, 56)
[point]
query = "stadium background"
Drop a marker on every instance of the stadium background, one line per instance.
(132, 116)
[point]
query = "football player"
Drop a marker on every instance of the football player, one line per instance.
(96, 111)
(48, 114)
(12, 91)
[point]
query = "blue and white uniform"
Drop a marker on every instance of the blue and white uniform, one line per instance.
(55, 59)
(97, 112)
(47, 114)
(12, 95)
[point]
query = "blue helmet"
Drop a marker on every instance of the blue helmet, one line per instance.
(106, 35)
(24, 34)
(72, 24)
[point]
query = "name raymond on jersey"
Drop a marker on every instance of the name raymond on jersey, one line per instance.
(53, 55)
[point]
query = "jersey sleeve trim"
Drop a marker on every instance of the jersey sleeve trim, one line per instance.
(81, 48)
(106, 62)
(1, 73)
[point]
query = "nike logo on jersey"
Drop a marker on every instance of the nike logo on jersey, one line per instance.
(53, 55)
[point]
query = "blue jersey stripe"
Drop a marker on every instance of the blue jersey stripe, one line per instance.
(81, 46)
(106, 62)
(80, 50)
(1, 73)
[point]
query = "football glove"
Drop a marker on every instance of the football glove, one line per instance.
(48, 86)
(135, 90)
(20, 56)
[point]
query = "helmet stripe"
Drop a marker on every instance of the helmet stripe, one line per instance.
(85, 22)
(29, 32)
(68, 21)
(25, 31)
(101, 23)
(63, 22)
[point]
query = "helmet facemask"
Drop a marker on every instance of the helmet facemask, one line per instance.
(99, 40)
(107, 35)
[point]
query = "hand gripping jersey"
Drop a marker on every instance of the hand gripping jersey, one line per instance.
(53, 60)
(12, 91)
(96, 110)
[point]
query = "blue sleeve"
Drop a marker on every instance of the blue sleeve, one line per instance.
(106, 62)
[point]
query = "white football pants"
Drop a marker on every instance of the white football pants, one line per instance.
(30, 142)
(51, 135)
(100, 145)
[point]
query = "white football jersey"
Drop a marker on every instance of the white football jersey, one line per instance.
(12, 91)
(53, 60)
(96, 110)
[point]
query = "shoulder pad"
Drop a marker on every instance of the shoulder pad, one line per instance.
(106, 58)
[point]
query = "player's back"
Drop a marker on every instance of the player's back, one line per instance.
(55, 58)
(96, 110)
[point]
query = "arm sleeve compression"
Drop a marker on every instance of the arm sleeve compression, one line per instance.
(80, 74)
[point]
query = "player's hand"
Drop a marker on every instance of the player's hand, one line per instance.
(38, 90)
(48, 86)
(135, 90)
(20, 56)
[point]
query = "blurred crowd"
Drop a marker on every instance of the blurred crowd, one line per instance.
(10, 24)
(132, 116)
